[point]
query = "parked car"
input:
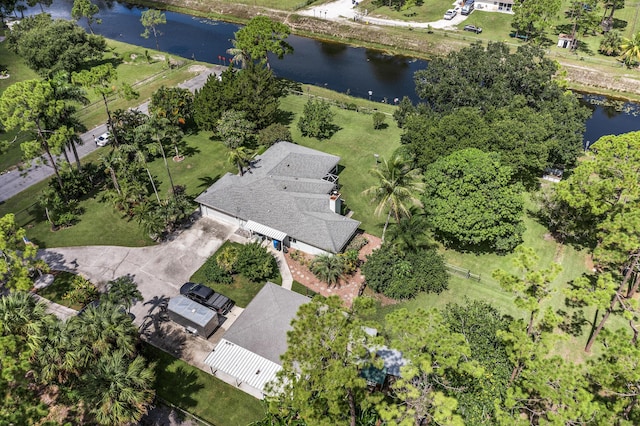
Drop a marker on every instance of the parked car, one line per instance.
(468, 7)
(450, 14)
(207, 297)
(473, 29)
(103, 139)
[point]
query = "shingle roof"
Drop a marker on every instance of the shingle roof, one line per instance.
(262, 327)
(284, 190)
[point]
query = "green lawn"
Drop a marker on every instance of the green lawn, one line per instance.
(242, 291)
(428, 11)
(200, 393)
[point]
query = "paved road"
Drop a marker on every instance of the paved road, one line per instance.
(15, 181)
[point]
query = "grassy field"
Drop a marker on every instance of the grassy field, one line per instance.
(200, 393)
(428, 11)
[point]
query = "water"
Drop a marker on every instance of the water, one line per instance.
(365, 73)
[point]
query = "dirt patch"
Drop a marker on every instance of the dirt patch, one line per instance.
(347, 289)
(588, 262)
(197, 69)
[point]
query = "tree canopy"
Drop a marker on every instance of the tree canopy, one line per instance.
(260, 37)
(470, 201)
(494, 100)
(49, 45)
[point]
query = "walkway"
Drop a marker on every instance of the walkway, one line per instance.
(15, 181)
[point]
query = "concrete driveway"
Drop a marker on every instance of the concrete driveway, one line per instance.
(158, 270)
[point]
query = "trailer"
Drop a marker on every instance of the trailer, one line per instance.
(194, 317)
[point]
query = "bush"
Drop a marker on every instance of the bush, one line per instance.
(213, 273)
(378, 120)
(350, 261)
(317, 120)
(256, 263)
(275, 132)
(227, 258)
(401, 276)
(357, 242)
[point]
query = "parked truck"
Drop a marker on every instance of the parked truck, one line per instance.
(207, 297)
(195, 318)
(468, 7)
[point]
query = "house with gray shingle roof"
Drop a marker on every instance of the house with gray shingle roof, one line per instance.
(289, 195)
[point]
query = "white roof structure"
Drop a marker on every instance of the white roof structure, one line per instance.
(245, 366)
(265, 230)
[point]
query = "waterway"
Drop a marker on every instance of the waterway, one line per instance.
(362, 72)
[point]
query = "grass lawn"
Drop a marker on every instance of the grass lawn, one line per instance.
(60, 286)
(200, 393)
(428, 11)
(242, 291)
(302, 289)
(356, 143)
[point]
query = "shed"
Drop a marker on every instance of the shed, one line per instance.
(196, 318)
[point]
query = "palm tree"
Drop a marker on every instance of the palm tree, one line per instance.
(410, 234)
(119, 389)
(102, 329)
(240, 156)
(21, 315)
(124, 291)
(327, 268)
(240, 56)
(398, 184)
(630, 48)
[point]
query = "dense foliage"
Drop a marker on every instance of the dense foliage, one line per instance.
(494, 100)
(88, 367)
(316, 120)
(470, 201)
(49, 45)
(253, 90)
(403, 275)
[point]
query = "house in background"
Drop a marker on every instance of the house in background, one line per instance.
(289, 195)
(504, 6)
(248, 356)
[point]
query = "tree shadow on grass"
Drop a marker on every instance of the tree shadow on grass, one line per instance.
(284, 117)
(619, 24)
(176, 386)
(207, 181)
(574, 324)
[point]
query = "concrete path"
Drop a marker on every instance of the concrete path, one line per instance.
(15, 181)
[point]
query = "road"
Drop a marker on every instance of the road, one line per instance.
(15, 181)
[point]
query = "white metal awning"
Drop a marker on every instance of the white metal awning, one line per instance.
(242, 364)
(265, 230)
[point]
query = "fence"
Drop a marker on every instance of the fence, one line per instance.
(465, 273)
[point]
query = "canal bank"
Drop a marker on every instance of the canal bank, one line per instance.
(581, 72)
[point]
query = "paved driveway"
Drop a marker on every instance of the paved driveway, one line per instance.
(159, 270)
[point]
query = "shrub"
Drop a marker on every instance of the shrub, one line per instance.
(82, 291)
(357, 242)
(273, 133)
(350, 261)
(256, 263)
(401, 276)
(213, 273)
(378, 120)
(227, 258)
